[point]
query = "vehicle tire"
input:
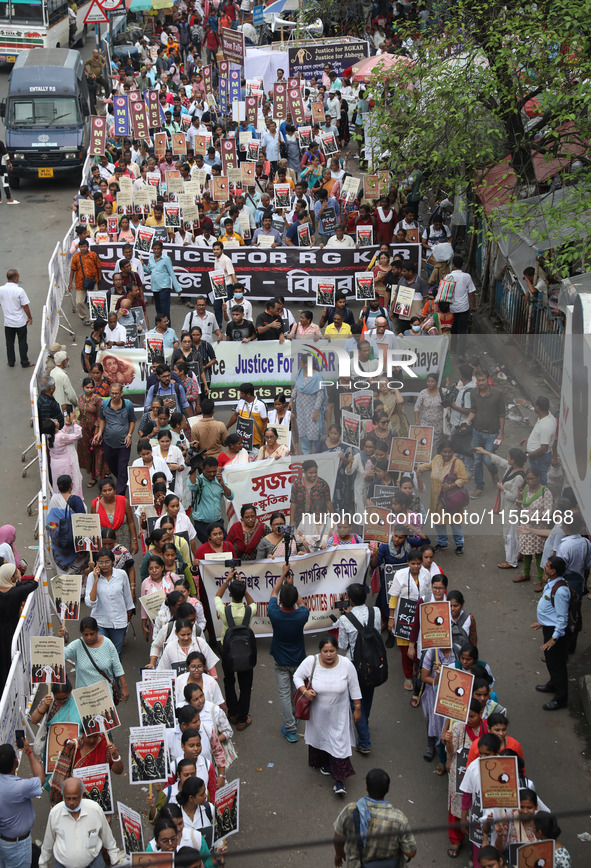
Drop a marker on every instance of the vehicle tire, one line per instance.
(14, 181)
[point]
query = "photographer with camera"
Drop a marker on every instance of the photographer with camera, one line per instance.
(288, 615)
(207, 489)
(460, 406)
(239, 650)
(366, 652)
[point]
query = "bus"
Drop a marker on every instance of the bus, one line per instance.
(37, 24)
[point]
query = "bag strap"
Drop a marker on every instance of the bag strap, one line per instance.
(355, 621)
(313, 668)
(559, 584)
(462, 619)
(229, 616)
(100, 671)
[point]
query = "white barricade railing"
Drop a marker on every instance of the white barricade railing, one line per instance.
(37, 617)
(14, 701)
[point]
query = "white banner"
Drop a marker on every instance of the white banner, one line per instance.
(320, 577)
(267, 484)
(265, 364)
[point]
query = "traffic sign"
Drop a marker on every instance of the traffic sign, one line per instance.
(257, 16)
(96, 14)
(110, 5)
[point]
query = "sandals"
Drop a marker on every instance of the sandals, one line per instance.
(440, 770)
(454, 850)
(242, 726)
(415, 701)
(506, 566)
(91, 484)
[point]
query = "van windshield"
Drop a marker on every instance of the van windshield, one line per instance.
(44, 111)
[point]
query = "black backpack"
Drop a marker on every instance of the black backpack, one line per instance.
(239, 649)
(369, 654)
(459, 637)
(574, 622)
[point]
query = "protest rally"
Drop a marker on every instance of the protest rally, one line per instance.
(303, 574)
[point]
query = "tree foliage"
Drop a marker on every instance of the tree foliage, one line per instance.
(459, 108)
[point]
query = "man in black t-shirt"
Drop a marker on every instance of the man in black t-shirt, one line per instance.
(269, 325)
(240, 329)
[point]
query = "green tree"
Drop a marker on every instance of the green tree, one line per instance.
(464, 105)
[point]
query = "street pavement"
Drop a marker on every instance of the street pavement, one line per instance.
(283, 803)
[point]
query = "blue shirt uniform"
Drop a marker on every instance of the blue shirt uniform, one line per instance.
(554, 615)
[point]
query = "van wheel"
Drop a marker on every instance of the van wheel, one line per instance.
(14, 181)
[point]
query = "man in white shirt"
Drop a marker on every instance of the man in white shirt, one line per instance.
(136, 263)
(223, 263)
(115, 333)
(17, 316)
(539, 443)
(339, 239)
(206, 321)
(380, 335)
(76, 832)
(358, 614)
(64, 390)
(464, 300)
(238, 298)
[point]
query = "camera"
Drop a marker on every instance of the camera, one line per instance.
(195, 458)
(233, 563)
(287, 530)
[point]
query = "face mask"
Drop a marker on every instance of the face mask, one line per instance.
(72, 810)
(416, 328)
(238, 295)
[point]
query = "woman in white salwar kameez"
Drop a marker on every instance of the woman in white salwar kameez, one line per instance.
(329, 732)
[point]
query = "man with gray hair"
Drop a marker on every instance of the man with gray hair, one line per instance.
(47, 406)
(76, 832)
(64, 390)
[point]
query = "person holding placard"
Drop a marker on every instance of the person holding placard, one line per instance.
(57, 706)
(448, 476)
(433, 660)
(407, 587)
(458, 740)
(488, 745)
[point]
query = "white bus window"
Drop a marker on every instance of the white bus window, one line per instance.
(29, 11)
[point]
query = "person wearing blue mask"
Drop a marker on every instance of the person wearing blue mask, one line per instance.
(415, 327)
(238, 298)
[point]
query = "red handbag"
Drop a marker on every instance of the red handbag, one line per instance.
(301, 703)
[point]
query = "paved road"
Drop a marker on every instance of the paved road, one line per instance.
(283, 802)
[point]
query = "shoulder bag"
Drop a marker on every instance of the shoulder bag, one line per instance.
(87, 282)
(303, 703)
(112, 682)
(457, 498)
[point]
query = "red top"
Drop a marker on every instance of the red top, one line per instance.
(207, 549)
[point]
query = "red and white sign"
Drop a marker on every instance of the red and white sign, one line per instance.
(96, 14)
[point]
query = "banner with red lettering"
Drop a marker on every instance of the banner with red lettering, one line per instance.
(321, 578)
(139, 119)
(98, 136)
(252, 110)
(229, 155)
(207, 81)
(296, 106)
(153, 109)
(279, 101)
